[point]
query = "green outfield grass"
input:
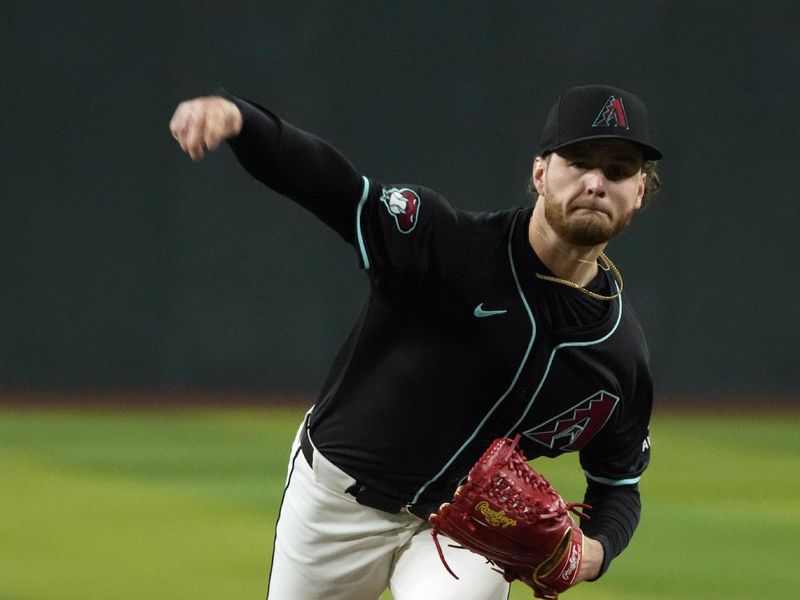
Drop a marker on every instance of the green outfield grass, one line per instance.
(174, 504)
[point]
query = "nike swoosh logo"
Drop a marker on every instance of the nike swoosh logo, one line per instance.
(479, 312)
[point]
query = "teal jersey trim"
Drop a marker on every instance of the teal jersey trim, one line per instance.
(362, 247)
(614, 482)
(500, 400)
(550, 364)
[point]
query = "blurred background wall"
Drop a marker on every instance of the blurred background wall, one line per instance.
(125, 266)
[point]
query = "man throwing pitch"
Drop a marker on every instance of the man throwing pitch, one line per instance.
(478, 326)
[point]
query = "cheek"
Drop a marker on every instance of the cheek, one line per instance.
(629, 196)
(559, 183)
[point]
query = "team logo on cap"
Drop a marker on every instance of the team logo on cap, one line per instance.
(612, 114)
(403, 205)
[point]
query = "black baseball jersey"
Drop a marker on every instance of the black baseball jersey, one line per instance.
(460, 343)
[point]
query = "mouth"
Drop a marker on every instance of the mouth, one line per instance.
(589, 210)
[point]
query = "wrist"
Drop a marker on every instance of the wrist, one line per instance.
(233, 117)
(592, 562)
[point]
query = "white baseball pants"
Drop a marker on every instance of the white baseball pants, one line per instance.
(329, 547)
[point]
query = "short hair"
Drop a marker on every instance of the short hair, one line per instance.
(653, 183)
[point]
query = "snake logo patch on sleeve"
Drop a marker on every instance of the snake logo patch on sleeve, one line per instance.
(403, 204)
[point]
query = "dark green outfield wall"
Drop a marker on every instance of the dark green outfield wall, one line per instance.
(125, 265)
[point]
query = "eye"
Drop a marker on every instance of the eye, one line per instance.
(616, 173)
(579, 164)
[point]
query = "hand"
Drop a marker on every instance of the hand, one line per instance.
(203, 123)
(593, 554)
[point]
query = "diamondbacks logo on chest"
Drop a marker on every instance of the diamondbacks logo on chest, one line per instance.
(572, 429)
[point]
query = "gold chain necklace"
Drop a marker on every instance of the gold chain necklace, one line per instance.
(609, 266)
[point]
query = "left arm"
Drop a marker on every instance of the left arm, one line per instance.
(614, 463)
(614, 516)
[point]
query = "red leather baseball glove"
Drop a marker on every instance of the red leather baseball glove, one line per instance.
(511, 515)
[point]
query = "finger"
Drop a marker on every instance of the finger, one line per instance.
(197, 152)
(211, 140)
(179, 122)
(192, 134)
(222, 123)
(173, 122)
(215, 130)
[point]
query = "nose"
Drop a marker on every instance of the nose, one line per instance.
(595, 181)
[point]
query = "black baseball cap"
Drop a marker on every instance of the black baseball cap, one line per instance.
(590, 112)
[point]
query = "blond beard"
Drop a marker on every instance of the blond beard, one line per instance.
(581, 231)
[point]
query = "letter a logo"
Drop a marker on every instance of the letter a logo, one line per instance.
(572, 429)
(612, 114)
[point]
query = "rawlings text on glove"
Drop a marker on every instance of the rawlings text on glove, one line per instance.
(510, 514)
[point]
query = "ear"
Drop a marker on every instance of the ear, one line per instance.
(640, 191)
(537, 176)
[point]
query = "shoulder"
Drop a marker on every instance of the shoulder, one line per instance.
(412, 206)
